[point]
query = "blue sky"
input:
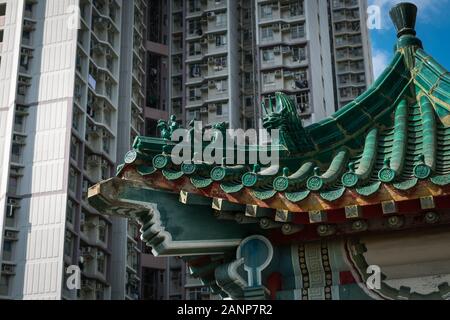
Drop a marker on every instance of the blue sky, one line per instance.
(433, 28)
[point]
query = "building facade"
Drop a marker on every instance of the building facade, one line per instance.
(71, 103)
(227, 55)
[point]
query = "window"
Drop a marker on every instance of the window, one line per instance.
(106, 144)
(266, 11)
(1, 36)
(219, 109)
(267, 33)
(26, 37)
(248, 101)
(2, 9)
(195, 27)
(220, 63)
(7, 250)
(4, 286)
(74, 148)
(16, 153)
(298, 31)
(221, 20)
(194, 6)
(296, 8)
(268, 55)
(221, 40)
(102, 231)
(70, 211)
(68, 244)
(195, 94)
(19, 123)
(195, 48)
(302, 102)
(269, 78)
(299, 54)
(101, 262)
(222, 85)
(13, 186)
(195, 71)
(73, 177)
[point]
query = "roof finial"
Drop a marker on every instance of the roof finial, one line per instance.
(404, 17)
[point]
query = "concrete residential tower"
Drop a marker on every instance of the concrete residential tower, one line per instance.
(61, 98)
(228, 55)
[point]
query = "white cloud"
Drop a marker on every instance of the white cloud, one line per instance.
(380, 60)
(428, 10)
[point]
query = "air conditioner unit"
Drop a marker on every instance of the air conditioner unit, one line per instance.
(18, 139)
(10, 235)
(7, 268)
(286, 50)
(27, 52)
(14, 202)
(285, 27)
(288, 75)
(204, 110)
(28, 25)
(94, 160)
(21, 109)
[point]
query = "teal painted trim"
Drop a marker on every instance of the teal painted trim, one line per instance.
(407, 184)
(231, 188)
(201, 183)
(429, 132)
(297, 196)
(263, 195)
(369, 190)
(333, 195)
(442, 181)
(172, 175)
(120, 169)
(144, 170)
(223, 173)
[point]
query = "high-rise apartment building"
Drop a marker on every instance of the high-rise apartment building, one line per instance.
(228, 55)
(71, 102)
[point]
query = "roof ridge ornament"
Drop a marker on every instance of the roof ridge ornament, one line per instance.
(404, 17)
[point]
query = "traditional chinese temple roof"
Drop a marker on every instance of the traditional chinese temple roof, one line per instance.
(308, 227)
(387, 151)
